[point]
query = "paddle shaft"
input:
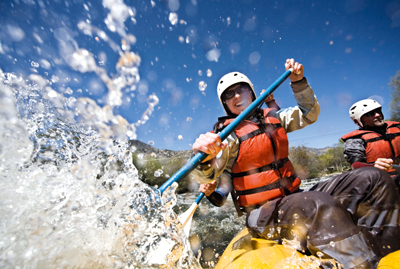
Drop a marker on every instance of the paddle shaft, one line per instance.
(200, 156)
(201, 195)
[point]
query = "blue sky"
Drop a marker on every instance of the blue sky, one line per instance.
(349, 49)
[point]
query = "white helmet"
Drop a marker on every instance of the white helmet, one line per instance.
(230, 79)
(360, 108)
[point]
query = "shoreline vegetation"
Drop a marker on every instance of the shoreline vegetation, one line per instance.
(155, 166)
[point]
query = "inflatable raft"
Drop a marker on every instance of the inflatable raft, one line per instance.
(244, 251)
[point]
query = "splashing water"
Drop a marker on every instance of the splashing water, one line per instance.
(70, 195)
(173, 18)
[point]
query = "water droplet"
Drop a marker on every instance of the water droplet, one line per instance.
(202, 86)
(152, 100)
(213, 55)
(45, 64)
(69, 91)
(332, 243)
(180, 137)
(254, 57)
(34, 64)
(16, 34)
(140, 156)
(173, 18)
(173, 5)
(82, 61)
(209, 73)
(54, 79)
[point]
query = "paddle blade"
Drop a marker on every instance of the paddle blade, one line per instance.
(187, 217)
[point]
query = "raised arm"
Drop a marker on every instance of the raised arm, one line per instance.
(307, 110)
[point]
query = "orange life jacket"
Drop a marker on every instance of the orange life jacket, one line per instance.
(262, 170)
(377, 145)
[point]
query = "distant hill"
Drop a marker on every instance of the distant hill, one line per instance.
(319, 151)
(160, 153)
(147, 149)
(155, 166)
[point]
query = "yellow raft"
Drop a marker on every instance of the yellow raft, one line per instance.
(390, 261)
(247, 252)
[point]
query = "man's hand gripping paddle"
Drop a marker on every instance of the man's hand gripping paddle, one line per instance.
(186, 217)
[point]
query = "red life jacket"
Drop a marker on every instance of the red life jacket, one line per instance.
(377, 145)
(262, 170)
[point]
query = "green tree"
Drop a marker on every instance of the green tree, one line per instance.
(395, 97)
(305, 162)
(334, 158)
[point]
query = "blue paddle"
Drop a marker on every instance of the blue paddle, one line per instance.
(187, 216)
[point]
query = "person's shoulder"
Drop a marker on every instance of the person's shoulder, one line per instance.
(354, 134)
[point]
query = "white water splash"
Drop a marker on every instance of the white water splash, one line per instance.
(70, 196)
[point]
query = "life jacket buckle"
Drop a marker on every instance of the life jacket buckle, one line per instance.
(274, 166)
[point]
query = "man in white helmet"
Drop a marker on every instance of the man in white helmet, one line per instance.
(376, 143)
(252, 164)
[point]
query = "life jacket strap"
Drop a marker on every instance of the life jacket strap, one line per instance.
(272, 166)
(281, 183)
(383, 137)
(259, 131)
